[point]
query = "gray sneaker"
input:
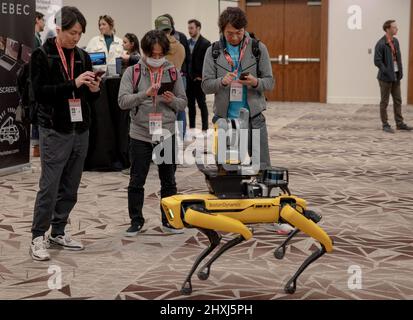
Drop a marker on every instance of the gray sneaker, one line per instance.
(167, 229)
(66, 242)
(387, 128)
(38, 249)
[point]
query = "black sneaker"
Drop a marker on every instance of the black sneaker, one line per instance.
(404, 127)
(387, 128)
(133, 230)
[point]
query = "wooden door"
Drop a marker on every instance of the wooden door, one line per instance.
(267, 22)
(291, 28)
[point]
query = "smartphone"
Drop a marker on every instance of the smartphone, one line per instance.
(166, 86)
(244, 75)
(99, 74)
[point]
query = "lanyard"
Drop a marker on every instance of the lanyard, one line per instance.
(64, 61)
(393, 48)
(156, 82)
(241, 55)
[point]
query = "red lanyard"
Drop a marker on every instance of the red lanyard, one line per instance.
(64, 61)
(393, 48)
(241, 55)
(157, 82)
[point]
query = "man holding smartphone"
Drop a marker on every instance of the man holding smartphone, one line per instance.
(64, 87)
(238, 82)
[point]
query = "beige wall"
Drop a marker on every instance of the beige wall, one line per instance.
(206, 11)
(351, 71)
(129, 15)
(138, 16)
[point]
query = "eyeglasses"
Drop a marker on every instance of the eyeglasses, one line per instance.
(239, 33)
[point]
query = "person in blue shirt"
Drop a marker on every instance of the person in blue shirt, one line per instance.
(222, 77)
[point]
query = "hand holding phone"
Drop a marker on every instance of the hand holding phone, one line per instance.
(166, 86)
(99, 74)
(244, 75)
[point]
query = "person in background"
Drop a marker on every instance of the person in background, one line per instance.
(198, 46)
(388, 59)
(64, 90)
(107, 41)
(39, 25)
(151, 112)
(176, 56)
(181, 37)
(132, 53)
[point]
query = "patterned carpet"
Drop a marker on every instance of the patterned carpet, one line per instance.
(358, 177)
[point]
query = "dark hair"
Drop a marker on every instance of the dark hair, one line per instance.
(109, 20)
(38, 16)
(387, 25)
(133, 39)
(234, 16)
(67, 17)
(197, 23)
(155, 37)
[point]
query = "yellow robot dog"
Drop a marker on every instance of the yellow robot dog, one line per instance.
(238, 198)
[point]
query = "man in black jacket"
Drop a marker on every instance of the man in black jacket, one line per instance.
(388, 59)
(64, 87)
(198, 46)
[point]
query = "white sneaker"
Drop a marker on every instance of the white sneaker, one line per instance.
(66, 242)
(169, 230)
(188, 136)
(279, 228)
(38, 249)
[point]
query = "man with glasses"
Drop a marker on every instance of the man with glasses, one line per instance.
(237, 82)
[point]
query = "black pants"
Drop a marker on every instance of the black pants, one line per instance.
(194, 92)
(62, 158)
(141, 158)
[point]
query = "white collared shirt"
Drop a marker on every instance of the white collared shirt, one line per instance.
(98, 44)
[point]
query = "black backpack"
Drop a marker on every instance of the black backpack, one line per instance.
(256, 51)
(28, 107)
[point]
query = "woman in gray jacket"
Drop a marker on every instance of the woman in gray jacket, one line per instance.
(153, 117)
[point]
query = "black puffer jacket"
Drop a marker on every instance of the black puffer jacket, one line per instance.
(383, 59)
(52, 89)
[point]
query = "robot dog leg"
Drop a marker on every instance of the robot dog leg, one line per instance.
(305, 222)
(195, 216)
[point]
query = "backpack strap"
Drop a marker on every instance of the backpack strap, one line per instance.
(216, 51)
(136, 75)
(256, 51)
(173, 73)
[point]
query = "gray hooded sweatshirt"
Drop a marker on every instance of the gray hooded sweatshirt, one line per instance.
(141, 105)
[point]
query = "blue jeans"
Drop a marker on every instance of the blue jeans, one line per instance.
(35, 135)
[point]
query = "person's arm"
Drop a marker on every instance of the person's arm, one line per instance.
(44, 92)
(210, 83)
(91, 96)
(379, 56)
(127, 99)
(267, 81)
(180, 56)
